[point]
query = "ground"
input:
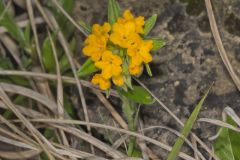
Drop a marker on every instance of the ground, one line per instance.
(186, 66)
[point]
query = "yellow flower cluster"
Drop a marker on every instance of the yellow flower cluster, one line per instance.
(125, 34)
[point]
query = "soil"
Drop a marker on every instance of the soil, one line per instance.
(185, 67)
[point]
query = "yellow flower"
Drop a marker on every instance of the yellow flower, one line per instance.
(118, 80)
(101, 30)
(110, 65)
(95, 46)
(141, 53)
(127, 15)
(138, 21)
(103, 83)
(135, 69)
(124, 34)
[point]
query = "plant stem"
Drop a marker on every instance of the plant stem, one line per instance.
(129, 110)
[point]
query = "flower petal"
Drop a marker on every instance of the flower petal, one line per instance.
(106, 27)
(135, 69)
(128, 15)
(129, 27)
(116, 70)
(106, 56)
(116, 60)
(101, 64)
(105, 84)
(118, 80)
(107, 72)
(147, 57)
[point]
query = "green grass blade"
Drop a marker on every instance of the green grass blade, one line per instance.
(186, 129)
(227, 144)
(113, 11)
(48, 57)
(87, 68)
(86, 27)
(149, 71)
(149, 24)
(10, 24)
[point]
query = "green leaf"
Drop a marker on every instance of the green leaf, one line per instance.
(73, 45)
(64, 64)
(27, 33)
(227, 145)
(137, 153)
(8, 114)
(158, 43)
(10, 24)
(87, 68)
(19, 80)
(68, 107)
(67, 5)
(149, 24)
(186, 129)
(148, 69)
(113, 11)
(137, 94)
(62, 20)
(27, 60)
(5, 63)
(48, 56)
(128, 81)
(48, 133)
(43, 156)
(64, 23)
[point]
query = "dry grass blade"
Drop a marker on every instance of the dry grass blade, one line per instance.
(68, 151)
(194, 142)
(77, 153)
(178, 134)
(28, 125)
(24, 23)
(227, 112)
(12, 135)
(179, 121)
(104, 126)
(31, 94)
(11, 47)
(219, 44)
(141, 142)
(24, 137)
(111, 109)
(88, 138)
(52, 77)
(120, 141)
(230, 112)
(27, 112)
(54, 26)
(219, 123)
(68, 17)
(14, 51)
(35, 34)
(19, 154)
(59, 80)
(129, 158)
(162, 145)
(16, 143)
(59, 90)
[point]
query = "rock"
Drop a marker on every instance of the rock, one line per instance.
(188, 65)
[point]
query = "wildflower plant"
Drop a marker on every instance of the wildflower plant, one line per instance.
(118, 51)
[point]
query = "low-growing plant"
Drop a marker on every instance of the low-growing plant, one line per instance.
(119, 50)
